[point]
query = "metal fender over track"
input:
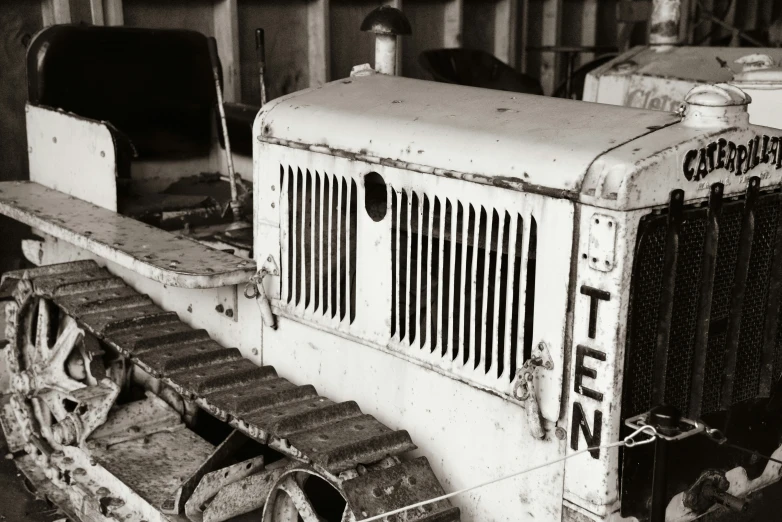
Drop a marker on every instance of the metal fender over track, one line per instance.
(353, 452)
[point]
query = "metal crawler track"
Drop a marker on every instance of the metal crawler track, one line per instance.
(333, 438)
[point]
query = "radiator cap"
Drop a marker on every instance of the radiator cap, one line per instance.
(758, 71)
(718, 105)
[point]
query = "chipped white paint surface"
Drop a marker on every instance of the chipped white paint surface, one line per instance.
(374, 322)
(196, 307)
(500, 136)
(73, 155)
(156, 254)
(766, 106)
(642, 173)
(647, 79)
(468, 436)
(602, 243)
(593, 483)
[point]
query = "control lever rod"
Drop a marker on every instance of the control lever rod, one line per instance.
(260, 49)
(665, 419)
(235, 205)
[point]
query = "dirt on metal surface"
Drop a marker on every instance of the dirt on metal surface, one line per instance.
(159, 255)
(335, 441)
(17, 503)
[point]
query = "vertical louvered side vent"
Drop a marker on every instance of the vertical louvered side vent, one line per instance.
(457, 274)
(319, 252)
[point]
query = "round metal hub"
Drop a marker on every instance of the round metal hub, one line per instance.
(304, 494)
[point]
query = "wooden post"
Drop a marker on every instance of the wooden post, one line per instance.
(55, 12)
(452, 23)
(318, 47)
(505, 21)
(588, 30)
(524, 35)
(552, 17)
(112, 12)
(96, 12)
(226, 30)
(687, 27)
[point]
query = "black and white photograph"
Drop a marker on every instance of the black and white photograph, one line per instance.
(390, 260)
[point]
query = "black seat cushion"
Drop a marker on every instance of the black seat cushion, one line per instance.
(476, 68)
(155, 86)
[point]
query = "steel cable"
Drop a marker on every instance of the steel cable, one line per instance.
(628, 441)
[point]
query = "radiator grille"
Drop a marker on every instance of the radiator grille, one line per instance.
(457, 277)
(752, 320)
(319, 253)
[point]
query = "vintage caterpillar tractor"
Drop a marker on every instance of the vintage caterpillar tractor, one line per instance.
(659, 76)
(442, 287)
(659, 79)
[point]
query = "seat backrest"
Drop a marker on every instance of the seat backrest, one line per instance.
(476, 68)
(153, 85)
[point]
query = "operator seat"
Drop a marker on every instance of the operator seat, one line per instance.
(155, 89)
(155, 86)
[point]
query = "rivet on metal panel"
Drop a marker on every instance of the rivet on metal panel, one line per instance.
(219, 309)
(560, 433)
(602, 243)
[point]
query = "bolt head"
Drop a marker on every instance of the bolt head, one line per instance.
(560, 433)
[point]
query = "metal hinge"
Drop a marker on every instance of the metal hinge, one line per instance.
(525, 389)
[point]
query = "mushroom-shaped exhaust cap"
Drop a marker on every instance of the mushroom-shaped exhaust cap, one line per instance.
(386, 20)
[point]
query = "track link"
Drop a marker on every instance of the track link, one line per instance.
(335, 438)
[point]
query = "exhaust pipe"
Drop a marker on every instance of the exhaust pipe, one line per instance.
(664, 25)
(387, 23)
